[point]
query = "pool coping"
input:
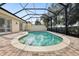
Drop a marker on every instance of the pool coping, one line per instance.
(15, 42)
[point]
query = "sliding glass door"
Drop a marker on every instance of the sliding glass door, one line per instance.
(5, 25)
(2, 22)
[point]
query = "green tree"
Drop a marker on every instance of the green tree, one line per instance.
(45, 19)
(74, 15)
(37, 22)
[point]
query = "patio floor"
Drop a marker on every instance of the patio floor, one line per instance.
(6, 49)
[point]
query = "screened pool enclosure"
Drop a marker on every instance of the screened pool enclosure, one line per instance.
(56, 17)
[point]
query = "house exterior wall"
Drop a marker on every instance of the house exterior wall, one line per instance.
(15, 22)
(28, 26)
(24, 26)
(15, 25)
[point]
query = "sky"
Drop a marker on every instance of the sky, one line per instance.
(14, 7)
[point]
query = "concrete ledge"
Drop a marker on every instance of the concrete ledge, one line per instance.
(15, 42)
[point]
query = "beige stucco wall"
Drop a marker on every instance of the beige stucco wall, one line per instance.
(15, 27)
(38, 28)
(24, 26)
(28, 26)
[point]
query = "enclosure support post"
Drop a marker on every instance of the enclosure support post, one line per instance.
(56, 22)
(51, 23)
(66, 21)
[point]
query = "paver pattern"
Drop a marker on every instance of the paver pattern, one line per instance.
(6, 49)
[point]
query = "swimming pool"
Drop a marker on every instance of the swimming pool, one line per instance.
(40, 39)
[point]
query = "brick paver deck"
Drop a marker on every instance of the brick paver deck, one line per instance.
(6, 49)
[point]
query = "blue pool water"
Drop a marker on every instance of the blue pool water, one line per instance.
(40, 39)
